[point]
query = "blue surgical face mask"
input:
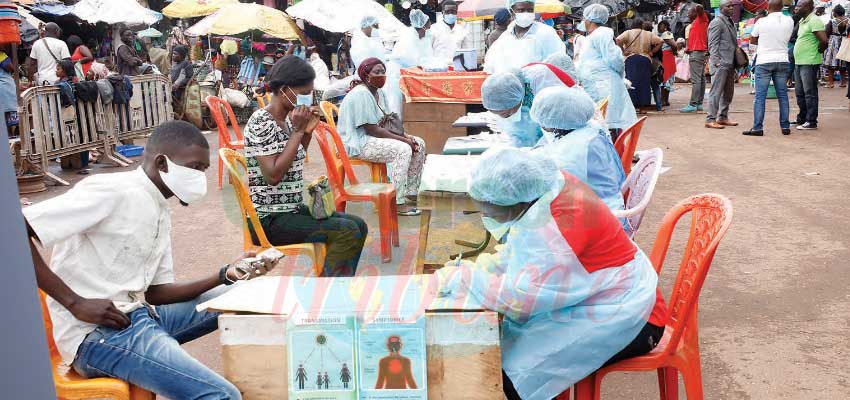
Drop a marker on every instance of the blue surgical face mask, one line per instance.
(450, 18)
(302, 99)
(496, 228)
(376, 33)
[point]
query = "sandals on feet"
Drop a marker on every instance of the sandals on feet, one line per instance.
(410, 213)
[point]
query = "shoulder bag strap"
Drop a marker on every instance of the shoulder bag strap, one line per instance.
(47, 46)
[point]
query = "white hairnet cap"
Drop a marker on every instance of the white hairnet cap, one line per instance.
(510, 3)
(507, 175)
(562, 108)
(564, 62)
(502, 91)
(418, 18)
(368, 21)
(596, 13)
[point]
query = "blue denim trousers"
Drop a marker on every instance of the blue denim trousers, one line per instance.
(764, 74)
(806, 89)
(148, 353)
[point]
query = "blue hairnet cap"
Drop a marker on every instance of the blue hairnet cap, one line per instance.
(369, 20)
(564, 62)
(502, 16)
(596, 13)
(418, 18)
(507, 175)
(562, 108)
(502, 91)
(510, 3)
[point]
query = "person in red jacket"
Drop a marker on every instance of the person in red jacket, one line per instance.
(698, 51)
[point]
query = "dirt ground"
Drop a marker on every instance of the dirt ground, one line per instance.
(774, 311)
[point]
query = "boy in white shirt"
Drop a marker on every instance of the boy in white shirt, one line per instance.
(115, 306)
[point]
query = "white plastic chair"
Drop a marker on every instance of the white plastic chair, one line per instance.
(638, 188)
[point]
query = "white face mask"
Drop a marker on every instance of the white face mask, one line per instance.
(549, 136)
(188, 184)
(496, 228)
(524, 19)
(515, 117)
(376, 33)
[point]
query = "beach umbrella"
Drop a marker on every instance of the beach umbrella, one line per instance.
(345, 15)
(150, 32)
(194, 8)
(243, 17)
(486, 9)
(127, 12)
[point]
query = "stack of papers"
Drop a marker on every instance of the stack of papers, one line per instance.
(447, 173)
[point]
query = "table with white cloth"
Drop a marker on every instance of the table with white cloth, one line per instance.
(445, 181)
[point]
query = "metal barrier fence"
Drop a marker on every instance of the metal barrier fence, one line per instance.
(49, 130)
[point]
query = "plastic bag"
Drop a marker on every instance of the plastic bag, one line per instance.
(236, 98)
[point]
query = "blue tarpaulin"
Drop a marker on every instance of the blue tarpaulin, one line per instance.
(56, 9)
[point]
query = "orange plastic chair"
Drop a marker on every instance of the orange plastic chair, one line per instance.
(224, 139)
(627, 142)
(381, 194)
(72, 386)
(678, 351)
(237, 169)
(378, 171)
(602, 108)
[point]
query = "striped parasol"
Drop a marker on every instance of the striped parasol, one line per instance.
(485, 9)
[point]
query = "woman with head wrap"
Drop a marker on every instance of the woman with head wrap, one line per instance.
(525, 41)
(360, 116)
(577, 143)
(575, 291)
(602, 70)
(276, 141)
(366, 41)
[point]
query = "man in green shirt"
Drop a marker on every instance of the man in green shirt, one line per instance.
(811, 42)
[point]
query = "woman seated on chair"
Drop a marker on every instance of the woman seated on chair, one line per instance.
(276, 141)
(575, 291)
(367, 138)
(577, 143)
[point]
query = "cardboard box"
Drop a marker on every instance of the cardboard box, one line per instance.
(435, 134)
(433, 112)
(462, 350)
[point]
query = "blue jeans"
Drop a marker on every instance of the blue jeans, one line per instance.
(764, 74)
(806, 89)
(148, 353)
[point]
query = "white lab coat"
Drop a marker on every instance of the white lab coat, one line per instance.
(510, 53)
(448, 40)
(363, 47)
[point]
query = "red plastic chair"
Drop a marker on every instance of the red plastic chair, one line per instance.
(378, 171)
(678, 351)
(627, 142)
(224, 139)
(72, 386)
(381, 194)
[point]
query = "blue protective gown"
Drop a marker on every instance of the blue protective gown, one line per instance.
(601, 72)
(574, 289)
(587, 154)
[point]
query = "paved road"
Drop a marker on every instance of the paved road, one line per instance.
(774, 312)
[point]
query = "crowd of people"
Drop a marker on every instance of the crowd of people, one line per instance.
(548, 197)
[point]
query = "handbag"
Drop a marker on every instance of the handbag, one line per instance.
(844, 50)
(390, 121)
(741, 59)
(320, 199)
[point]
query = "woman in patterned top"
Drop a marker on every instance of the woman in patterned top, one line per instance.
(276, 141)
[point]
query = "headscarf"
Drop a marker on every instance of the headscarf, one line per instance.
(98, 70)
(182, 50)
(365, 69)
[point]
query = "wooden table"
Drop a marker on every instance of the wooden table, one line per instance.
(443, 189)
(462, 342)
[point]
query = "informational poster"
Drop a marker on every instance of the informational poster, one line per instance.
(391, 357)
(321, 358)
